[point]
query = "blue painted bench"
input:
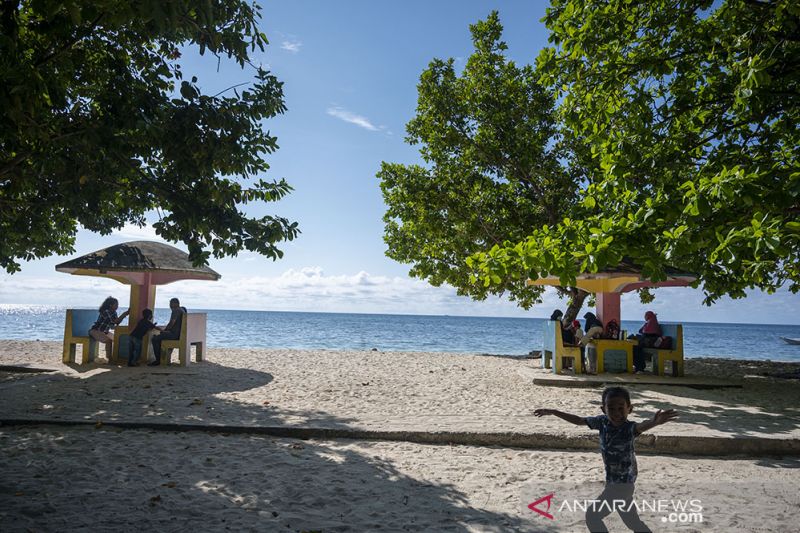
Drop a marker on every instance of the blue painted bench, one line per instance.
(76, 332)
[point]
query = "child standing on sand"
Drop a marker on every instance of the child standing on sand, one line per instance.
(617, 435)
(135, 337)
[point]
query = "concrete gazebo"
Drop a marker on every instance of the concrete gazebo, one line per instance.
(141, 264)
(608, 285)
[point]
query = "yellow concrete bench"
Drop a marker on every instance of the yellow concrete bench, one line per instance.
(606, 347)
(193, 333)
(674, 354)
(562, 352)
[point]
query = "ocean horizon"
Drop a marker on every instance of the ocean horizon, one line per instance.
(507, 336)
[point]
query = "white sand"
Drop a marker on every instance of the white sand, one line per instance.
(68, 478)
(105, 480)
(381, 391)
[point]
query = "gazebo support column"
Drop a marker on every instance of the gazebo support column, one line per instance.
(608, 306)
(142, 297)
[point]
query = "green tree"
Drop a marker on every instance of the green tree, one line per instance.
(98, 127)
(691, 114)
(493, 169)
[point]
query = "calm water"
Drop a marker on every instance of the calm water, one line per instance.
(502, 336)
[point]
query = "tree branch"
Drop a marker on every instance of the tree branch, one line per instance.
(69, 44)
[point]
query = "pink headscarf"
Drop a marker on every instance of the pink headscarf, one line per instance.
(651, 325)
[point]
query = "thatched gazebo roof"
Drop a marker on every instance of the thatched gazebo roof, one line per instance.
(141, 264)
(163, 262)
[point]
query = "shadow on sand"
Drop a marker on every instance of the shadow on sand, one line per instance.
(757, 409)
(207, 481)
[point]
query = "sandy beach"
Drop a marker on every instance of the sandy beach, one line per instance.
(112, 477)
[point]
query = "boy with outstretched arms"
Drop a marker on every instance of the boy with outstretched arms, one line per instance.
(617, 436)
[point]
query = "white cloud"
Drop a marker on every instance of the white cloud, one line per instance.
(311, 289)
(59, 289)
(352, 118)
(307, 289)
(291, 46)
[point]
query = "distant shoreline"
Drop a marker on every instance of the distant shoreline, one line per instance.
(515, 337)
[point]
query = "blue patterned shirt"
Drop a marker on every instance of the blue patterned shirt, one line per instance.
(106, 321)
(616, 446)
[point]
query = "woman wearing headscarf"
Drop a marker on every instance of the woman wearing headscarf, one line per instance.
(567, 335)
(651, 327)
(593, 328)
(649, 333)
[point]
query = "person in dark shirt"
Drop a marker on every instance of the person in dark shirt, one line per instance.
(136, 336)
(171, 331)
(593, 328)
(567, 335)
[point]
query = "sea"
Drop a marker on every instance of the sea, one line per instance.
(514, 337)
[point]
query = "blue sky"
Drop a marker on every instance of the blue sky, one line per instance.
(350, 70)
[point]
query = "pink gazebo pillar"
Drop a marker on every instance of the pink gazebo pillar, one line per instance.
(608, 306)
(608, 303)
(143, 296)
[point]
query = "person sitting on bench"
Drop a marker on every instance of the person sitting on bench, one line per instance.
(106, 320)
(171, 331)
(649, 333)
(593, 327)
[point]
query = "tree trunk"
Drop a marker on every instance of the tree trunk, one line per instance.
(576, 299)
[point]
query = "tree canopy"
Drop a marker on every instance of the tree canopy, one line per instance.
(98, 127)
(494, 168)
(690, 111)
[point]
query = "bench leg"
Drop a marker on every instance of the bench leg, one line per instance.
(94, 350)
(69, 354)
(198, 351)
(90, 351)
